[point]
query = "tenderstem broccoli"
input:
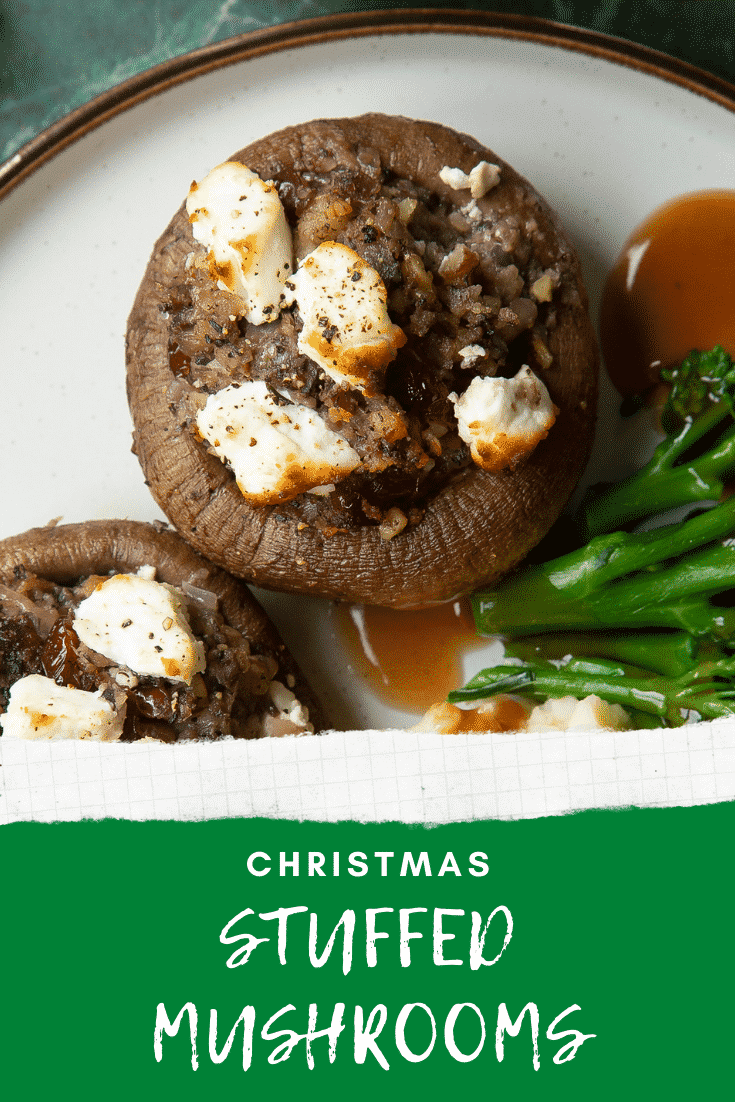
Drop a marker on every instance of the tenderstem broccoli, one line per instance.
(669, 653)
(708, 689)
(665, 578)
(692, 464)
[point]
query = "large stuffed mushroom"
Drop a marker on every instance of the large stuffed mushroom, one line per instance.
(360, 364)
(117, 630)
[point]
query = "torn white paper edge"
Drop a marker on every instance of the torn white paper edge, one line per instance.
(369, 776)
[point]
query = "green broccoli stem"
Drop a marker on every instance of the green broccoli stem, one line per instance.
(668, 698)
(665, 482)
(670, 653)
(544, 682)
(619, 581)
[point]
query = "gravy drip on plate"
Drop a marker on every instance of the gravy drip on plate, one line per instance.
(671, 290)
(409, 659)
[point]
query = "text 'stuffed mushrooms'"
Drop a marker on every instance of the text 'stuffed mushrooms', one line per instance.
(360, 363)
(117, 630)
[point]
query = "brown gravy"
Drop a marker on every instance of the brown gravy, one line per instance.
(671, 290)
(409, 659)
(506, 715)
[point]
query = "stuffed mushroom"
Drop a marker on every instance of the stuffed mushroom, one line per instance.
(360, 364)
(117, 630)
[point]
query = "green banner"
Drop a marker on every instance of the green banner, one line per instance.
(586, 956)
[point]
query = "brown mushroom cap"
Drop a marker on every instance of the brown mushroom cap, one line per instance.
(476, 528)
(69, 552)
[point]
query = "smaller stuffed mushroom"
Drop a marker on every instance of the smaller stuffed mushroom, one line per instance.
(117, 630)
(360, 363)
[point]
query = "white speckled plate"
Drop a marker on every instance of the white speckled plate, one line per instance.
(605, 130)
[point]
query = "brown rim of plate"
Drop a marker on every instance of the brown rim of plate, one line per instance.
(332, 28)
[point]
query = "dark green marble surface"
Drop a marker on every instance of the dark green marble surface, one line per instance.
(56, 56)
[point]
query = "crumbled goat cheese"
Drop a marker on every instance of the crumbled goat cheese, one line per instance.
(504, 419)
(275, 451)
(480, 179)
(471, 353)
(290, 707)
(566, 713)
(142, 625)
(291, 716)
(38, 708)
(343, 305)
(241, 220)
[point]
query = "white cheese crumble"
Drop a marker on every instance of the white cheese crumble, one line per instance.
(566, 713)
(38, 708)
(504, 419)
(471, 354)
(291, 716)
(140, 624)
(275, 451)
(343, 305)
(290, 707)
(241, 220)
(479, 180)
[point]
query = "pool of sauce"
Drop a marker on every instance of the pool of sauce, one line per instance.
(671, 289)
(507, 715)
(409, 659)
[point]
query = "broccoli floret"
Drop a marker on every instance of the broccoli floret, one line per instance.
(688, 466)
(701, 380)
(666, 578)
(708, 689)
